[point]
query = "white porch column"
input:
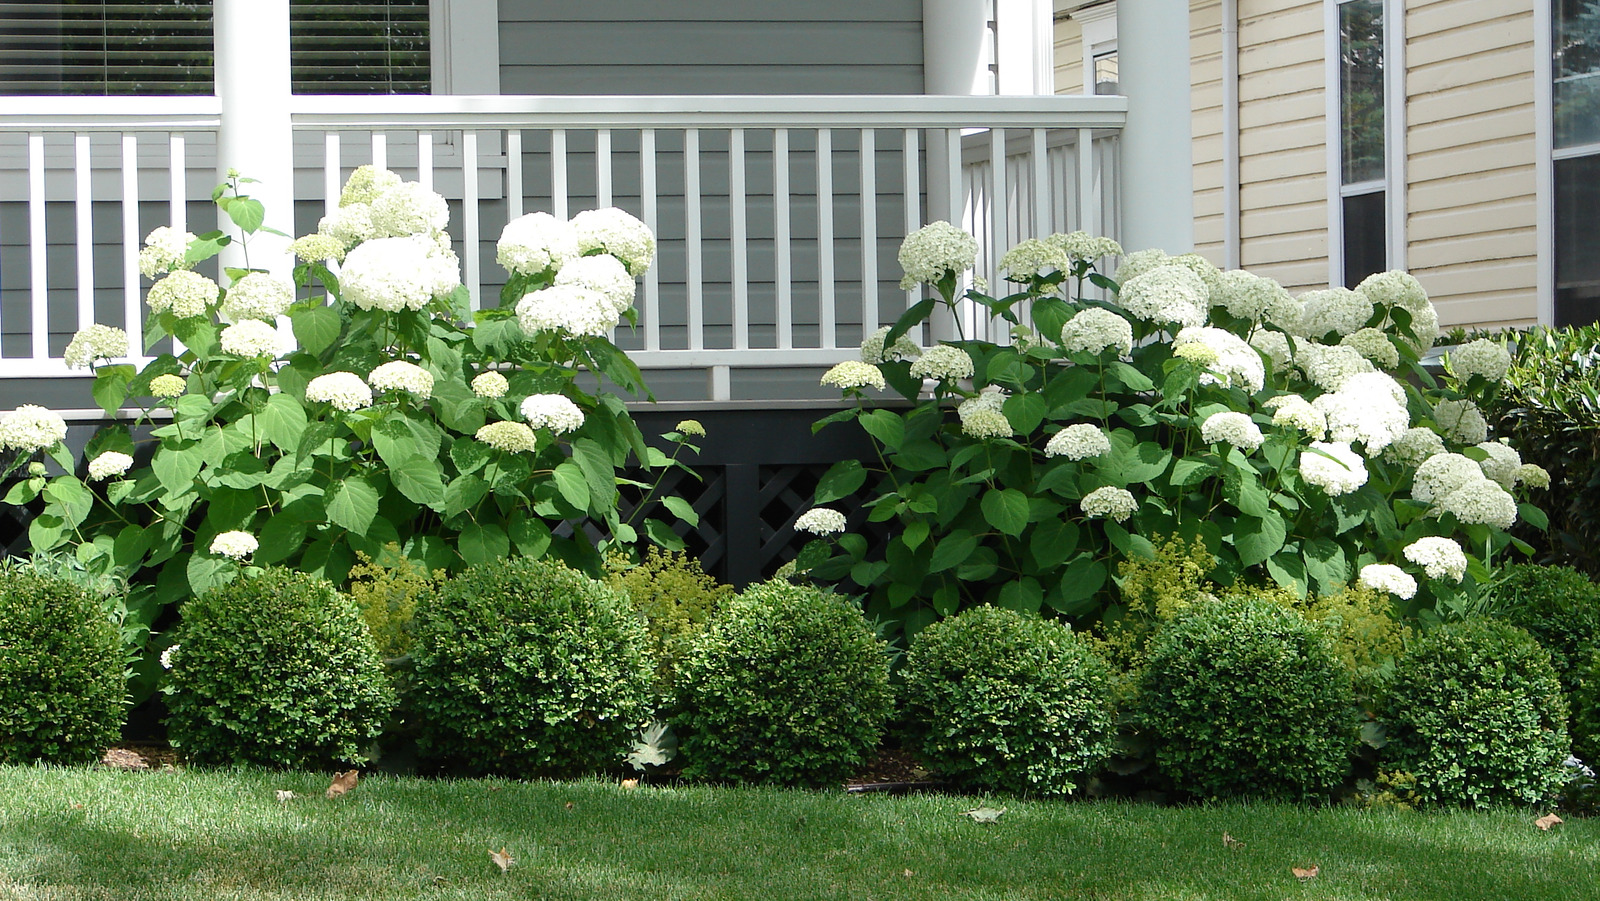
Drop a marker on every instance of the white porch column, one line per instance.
(1157, 179)
(252, 85)
(955, 47)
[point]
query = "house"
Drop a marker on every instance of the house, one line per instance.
(780, 151)
(1458, 139)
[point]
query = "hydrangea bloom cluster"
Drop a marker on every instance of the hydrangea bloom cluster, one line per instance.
(690, 427)
(1328, 367)
(511, 437)
(258, 295)
(935, 250)
(1034, 257)
(409, 208)
(402, 375)
(944, 363)
(820, 521)
(1439, 558)
(1237, 429)
(1237, 363)
(1502, 464)
(981, 417)
(236, 545)
(1166, 294)
(393, 274)
(1533, 475)
(604, 274)
(349, 225)
(344, 390)
(1109, 502)
(552, 411)
(1078, 441)
(1414, 446)
(1295, 412)
(613, 231)
(535, 243)
(1461, 421)
(95, 342)
(31, 428)
(1375, 345)
(1276, 347)
(250, 338)
(1342, 474)
(1337, 310)
(183, 293)
(873, 351)
(1397, 289)
(576, 310)
(1390, 578)
(1094, 330)
(317, 247)
(1080, 245)
(168, 386)
(490, 385)
(1370, 407)
(164, 250)
(108, 464)
(1246, 295)
(366, 184)
(1139, 262)
(1456, 484)
(854, 374)
(1481, 357)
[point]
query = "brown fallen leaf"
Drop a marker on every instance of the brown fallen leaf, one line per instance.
(343, 783)
(569, 805)
(284, 796)
(1304, 875)
(1545, 822)
(1229, 841)
(630, 783)
(502, 859)
(908, 874)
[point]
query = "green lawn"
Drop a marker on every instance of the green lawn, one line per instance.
(94, 833)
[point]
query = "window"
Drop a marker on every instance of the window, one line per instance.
(116, 48)
(1105, 73)
(1575, 26)
(1363, 126)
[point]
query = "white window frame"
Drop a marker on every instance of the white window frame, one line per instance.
(1099, 27)
(1394, 182)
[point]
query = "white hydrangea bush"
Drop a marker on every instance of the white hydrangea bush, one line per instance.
(1299, 436)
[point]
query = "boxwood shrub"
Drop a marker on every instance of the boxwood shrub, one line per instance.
(995, 699)
(787, 685)
(1475, 713)
(528, 668)
(277, 669)
(1244, 697)
(1560, 607)
(62, 684)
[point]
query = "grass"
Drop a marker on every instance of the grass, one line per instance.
(70, 834)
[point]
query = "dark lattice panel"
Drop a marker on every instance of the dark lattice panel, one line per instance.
(14, 528)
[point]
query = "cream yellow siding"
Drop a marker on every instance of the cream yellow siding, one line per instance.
(1471, 206)
(1069, 56)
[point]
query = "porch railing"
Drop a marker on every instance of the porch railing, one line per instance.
(778, 217)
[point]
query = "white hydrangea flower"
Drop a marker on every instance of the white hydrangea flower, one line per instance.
(1209, 274)
(618, 233)
(30, 428)
(1094, 330)
(1461, 421)
(250, 338)
(603, 273)
(511, 437)
(1502, 463)
(1438, 557)
(1390, 578)
(981, 417)
(1395, 288)
(95, 342)
(490, 385)
(317, 247)
(349, 225)
(944, 363)
(1237, 429)
(1115, 503)
(1199, 354)
(1414, 447)
(820, 521)
(873, 351)
(1329, 367)
(409, 209)
(1166, 294)
(1481, 501)
(1139, 262)
(536, 242)
(1237, 363)
(1481, 357)
(1034, 257)
(401, 375)
(854, 374)
(1078, 441)
(1296, 412)
(1080, 245)
(1276, 347)
(1338, 310)
(1441, 474)
(344, 390)
(552, 411)
(1341, 475)
(1369, 407)
(184, 293)
(365, 185)
(573, 309)
(393, 274)
(108, 464)
(933, 250)
(164, 250)
(1374, 344)
(258, 295)
(237, 545)
(168, 656)
(1533, 475)
(168, 385)
(1246, 295)
(690, 427)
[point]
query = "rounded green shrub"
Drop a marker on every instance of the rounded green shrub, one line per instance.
(1560, 607)
(1244, 697)
(788, 684)
(1475, 713)
(999, 700)
(528, 668)
(62, 684)
(275, 668)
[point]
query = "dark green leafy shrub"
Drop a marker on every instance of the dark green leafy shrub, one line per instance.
(787, 685)
(676, 598)
(1000, 700)
(1246, 697)
(526, 667)
(275, 668)
(1560, 607)
(62, 694)
(1475, 713)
